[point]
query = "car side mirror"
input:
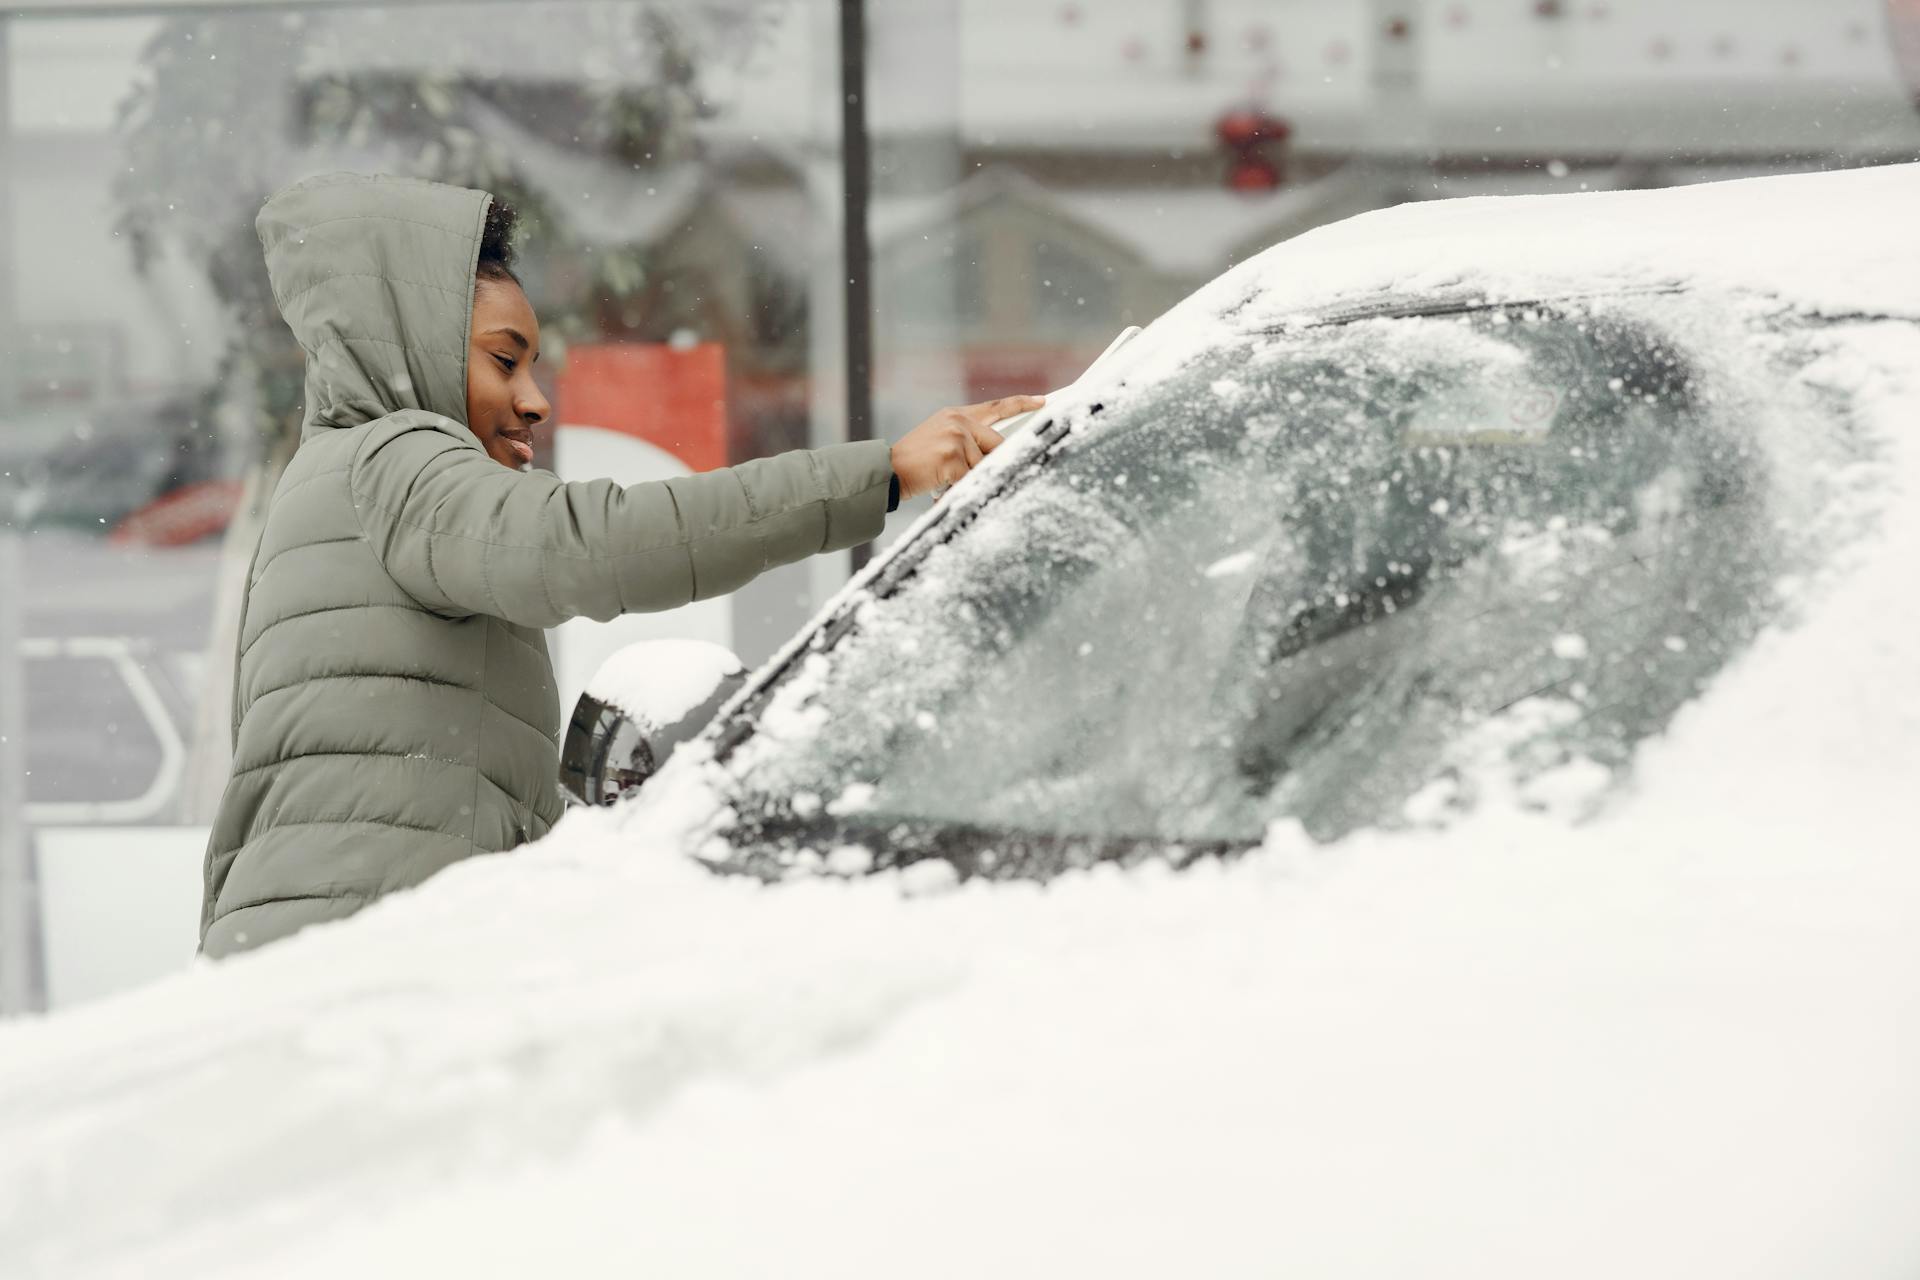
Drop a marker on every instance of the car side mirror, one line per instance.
(643, 702)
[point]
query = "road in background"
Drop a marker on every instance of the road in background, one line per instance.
(88, 738)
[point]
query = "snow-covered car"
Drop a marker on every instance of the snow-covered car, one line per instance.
(1348, 563)
(1520, 590)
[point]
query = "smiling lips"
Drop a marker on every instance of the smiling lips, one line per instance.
(522, 446)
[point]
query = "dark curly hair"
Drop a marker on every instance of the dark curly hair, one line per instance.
(496, 244)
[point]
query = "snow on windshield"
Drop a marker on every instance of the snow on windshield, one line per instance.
(1312, 578)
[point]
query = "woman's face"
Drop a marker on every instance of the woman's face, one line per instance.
(503, 404)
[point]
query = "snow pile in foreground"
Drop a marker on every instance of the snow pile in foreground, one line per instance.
(1513, 1050)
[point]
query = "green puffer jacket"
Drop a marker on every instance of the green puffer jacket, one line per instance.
(394, 705)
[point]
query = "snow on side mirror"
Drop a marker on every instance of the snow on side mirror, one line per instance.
(643, 702)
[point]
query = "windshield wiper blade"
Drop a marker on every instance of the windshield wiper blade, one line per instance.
(768, 845)
(1447, 304)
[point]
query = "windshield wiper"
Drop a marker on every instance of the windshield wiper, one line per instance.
(1447, 304)
(767, 845)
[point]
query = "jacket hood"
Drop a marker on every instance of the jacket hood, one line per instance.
(374, 275)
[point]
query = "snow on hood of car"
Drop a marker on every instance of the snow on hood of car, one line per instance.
(1675, 1040)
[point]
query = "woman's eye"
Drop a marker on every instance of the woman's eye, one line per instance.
(506, 362)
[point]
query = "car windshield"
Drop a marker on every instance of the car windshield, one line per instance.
(1349, 575)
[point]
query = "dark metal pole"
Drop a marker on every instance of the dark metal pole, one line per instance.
(856, 183)
(856, 186)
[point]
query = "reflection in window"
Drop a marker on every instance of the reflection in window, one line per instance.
(154, 387)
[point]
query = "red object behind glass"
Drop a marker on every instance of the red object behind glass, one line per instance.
(182, 516)
(1244, 133)
(674, 398)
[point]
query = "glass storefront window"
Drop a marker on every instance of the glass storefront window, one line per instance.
(152, 394)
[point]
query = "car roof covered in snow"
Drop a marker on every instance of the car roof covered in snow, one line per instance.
(1828, 243)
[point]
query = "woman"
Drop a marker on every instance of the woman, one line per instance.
(394, 706)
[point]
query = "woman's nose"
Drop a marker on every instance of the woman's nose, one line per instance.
(532, 406)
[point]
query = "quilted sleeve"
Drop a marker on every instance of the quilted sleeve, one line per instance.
(464, 535)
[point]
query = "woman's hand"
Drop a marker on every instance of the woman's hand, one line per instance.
(951, 443)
